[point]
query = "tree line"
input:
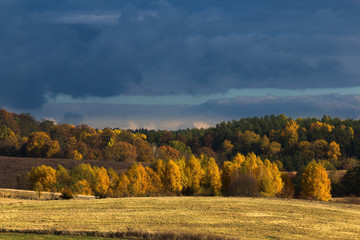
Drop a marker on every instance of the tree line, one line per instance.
(272, 140)
(292, 144)
(243, 176)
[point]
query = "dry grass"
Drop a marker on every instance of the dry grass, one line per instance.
(33, 195)
(242, 218)
(27, 236)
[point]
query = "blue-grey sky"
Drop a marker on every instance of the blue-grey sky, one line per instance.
(174, 64)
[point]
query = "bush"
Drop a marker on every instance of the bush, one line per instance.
(66, 193)
(288, 190)
(243, 184)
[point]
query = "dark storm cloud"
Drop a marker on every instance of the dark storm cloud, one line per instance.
(108, 48)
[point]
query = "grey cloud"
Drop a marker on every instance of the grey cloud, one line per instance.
(92, 48)
(345, 106)
(211, 112)
(72, 118)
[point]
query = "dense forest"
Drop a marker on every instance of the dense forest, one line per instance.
(290, 143)
(243, 157)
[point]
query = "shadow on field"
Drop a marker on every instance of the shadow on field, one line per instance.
(129, 233)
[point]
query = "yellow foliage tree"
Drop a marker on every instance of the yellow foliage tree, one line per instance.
(194, 174)
(137, 176)
(333, 151)
(238, 160)
(253, 165)
(102, 185)
(182, 164)
(320, 125)
(134, 177)
(145, 185)
(154, 182)
(315, 182)
(74, 154)
(82, 187)
(40, 145)
(172, 178)
(212, 180)
(114, 181)
(290, 133)
(121, 189)
(160, 169)
(226, 173)
(43, 177)
(271, 181)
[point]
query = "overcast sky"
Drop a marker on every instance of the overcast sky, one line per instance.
(175, 64)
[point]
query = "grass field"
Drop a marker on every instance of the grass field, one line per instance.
(241, 218)
(21, 236)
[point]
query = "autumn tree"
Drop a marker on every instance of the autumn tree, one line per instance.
(160, 168)
(8, 140)
(63, 178)
(114, 180)
(154, 184)
(7, 119)
(227, 170)
(194, 174)
(167, 153)
(123, 152)
(84, 172)
(271, 181)
(315, 182)
(290, 133)
(138, 180)
(102, 185)
(43, 178)
(212, 178)
(143, 150)
(82, 187)
(123, 185)
(172, 178)
(249, 176)
(40, 145)
(64, 183)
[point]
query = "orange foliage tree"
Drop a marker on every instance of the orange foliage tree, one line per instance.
(123, 152)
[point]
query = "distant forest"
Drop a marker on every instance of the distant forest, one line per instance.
(290, 143)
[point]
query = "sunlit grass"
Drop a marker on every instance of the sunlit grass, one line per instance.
(21, 236)
(243, 218)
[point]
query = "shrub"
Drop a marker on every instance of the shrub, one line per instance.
(243, 184)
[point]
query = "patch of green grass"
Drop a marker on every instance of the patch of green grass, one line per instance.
(22, 236)
(242, 218)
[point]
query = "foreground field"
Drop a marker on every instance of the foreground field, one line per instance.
(21, 236)
(242, 218)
